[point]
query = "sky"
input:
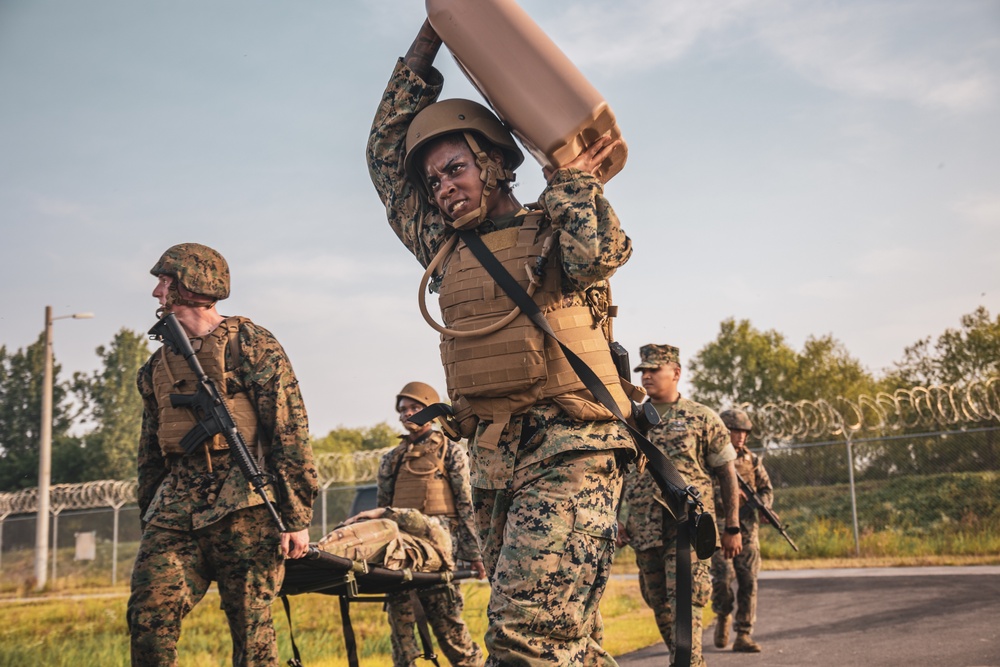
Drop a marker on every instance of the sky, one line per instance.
(814, 167)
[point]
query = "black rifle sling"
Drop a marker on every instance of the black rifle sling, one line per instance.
(297, 660)
(350, 641)
(425, 636)
(667, 477)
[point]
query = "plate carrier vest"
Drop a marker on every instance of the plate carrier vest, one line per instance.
(172, 375)
(501, 374)
(421, 479)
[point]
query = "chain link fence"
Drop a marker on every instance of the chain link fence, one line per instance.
(912, 473)
(917, 494)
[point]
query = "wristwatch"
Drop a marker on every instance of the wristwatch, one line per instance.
(732, 530)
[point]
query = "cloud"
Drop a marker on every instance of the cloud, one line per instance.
(892, 261)
(888, 50)
(981, 210)
(832, 290)
(927, 53)
(326, 268)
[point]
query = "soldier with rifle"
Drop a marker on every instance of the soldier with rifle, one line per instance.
(226, 472)
(756, 495)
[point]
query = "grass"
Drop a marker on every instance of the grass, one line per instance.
(70, 632)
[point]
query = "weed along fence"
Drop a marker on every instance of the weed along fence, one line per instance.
(913, 473)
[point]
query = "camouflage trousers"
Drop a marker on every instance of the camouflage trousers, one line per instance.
(172, 572)
(442, 607)
(743, 569)
(658, 584)
(547, 544)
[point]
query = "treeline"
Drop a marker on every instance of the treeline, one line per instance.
(746, 366)
(742, 365)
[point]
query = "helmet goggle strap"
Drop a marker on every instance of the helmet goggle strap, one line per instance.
(491, 175)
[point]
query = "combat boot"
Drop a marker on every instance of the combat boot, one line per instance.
(744, 644)
(721, 631)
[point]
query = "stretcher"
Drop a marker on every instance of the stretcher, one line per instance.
(353, 581)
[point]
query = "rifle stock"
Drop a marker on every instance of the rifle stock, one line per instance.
(756, 503)
(211, 410)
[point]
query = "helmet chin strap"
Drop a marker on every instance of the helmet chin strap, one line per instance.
(491, 175)
(174, 298)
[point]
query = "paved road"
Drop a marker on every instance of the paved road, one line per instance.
(908, 617)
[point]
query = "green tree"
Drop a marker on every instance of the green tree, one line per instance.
(971, 352)
(21, 376)
(110, 400)
(344, 440)
(825, 369)
(742, 365)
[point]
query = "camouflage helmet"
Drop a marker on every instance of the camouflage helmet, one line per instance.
(451, 116)
(197, 268)
(736, 420)
(419, 392)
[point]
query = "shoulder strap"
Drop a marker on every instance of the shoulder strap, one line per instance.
(682, 500)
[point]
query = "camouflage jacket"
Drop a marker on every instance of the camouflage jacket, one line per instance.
(750, 467)
(592, 247)
(456, 465)
(695, 440)
(180, 493)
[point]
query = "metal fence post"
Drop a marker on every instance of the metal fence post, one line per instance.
(854, 495)
(114, 545)
(55, 542)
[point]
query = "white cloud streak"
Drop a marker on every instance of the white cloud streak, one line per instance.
(875, 49)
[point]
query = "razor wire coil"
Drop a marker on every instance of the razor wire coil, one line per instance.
(333, 468)
(933, 406)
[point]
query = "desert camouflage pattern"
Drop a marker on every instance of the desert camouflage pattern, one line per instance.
(550, 485)
(443, 604)
(456, 466)
(181, 493)
(736, 420)
(652, 357)
(197, 267)
(174, 569)
(548, 542)
(744, 568)
(658, 583)
(592, 243)
(192, 506)
(695, 440)
(402, 539)
(443, 607)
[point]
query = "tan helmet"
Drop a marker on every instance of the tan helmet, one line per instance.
(419, 392)
(197, 268)
(736, 420)
(456, 116)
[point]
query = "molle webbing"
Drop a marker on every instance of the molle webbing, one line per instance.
(172, 375)
(421, 481)
(506, 372)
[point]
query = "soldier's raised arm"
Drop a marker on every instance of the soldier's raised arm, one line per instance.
(423, 50)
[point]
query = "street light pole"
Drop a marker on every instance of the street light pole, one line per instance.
(45, 453)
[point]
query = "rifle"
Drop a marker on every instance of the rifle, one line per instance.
(754, 501)
(214, 414)
(644, 415)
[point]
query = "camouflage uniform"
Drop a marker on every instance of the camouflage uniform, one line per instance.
(546, 495)
(744, 567)
(200, 526)
(442, 605)
(696, 441)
